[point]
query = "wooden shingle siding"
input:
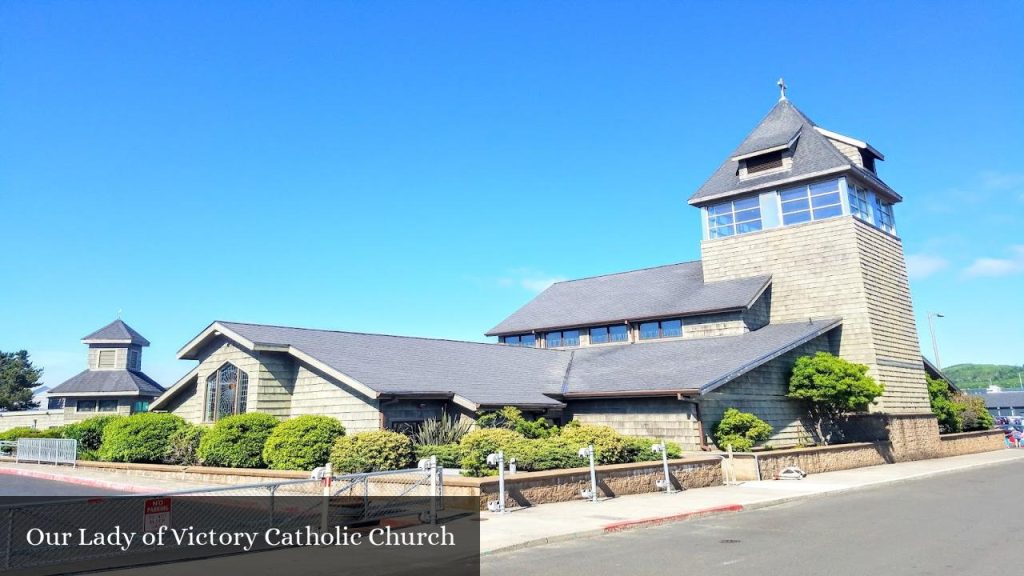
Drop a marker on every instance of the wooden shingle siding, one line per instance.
(840, 267)
(762, 391)
(657, 418)
(316, 393)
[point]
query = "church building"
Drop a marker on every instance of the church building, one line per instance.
(799, 254)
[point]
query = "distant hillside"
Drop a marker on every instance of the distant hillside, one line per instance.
(981, 375)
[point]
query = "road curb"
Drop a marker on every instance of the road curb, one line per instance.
(69, 479)
(626, 525)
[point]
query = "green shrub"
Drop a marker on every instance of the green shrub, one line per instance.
(448, 455)
(610, 447)
(831, 387)
(184, 445)
(945, 409)
(740, 429)
(141, 437)
(551, 453)
(640, 449)
(89, 432)
(20, 432)
(237, 441)
(511, 418)
(972, 412)
(479, 443)
(302, 443)
(372, 451)
(443, 430)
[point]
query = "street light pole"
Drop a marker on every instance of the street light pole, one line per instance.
(935, 343)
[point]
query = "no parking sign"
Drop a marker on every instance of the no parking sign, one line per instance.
(157, 513)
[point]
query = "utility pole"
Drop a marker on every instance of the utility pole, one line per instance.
(935, 343)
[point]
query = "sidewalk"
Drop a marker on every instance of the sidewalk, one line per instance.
(94, 478)
(569, 520)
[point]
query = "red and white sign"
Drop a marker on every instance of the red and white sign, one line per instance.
(157, 513)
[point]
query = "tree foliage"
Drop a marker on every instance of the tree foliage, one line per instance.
(17, 378)
(741, 430)
(972, 412)
(970, 376)
(831, 387)
(945, 410)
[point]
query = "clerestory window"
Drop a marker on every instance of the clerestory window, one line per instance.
(227, 391)
(734, 217)
(814, 202)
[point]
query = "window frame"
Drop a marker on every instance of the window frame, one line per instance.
(561, 339)
(106, 402)
(885, 219)
(215, 383)
(78, 405)
(609, 337)
(734, 223)
(661, 329)
(134, 362)
(519, 340)
(809, 198)
(860, 205)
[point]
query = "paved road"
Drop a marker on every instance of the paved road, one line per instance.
(19, 486)
(967, 522)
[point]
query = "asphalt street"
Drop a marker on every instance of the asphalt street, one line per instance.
(968, 522)
(19, 486)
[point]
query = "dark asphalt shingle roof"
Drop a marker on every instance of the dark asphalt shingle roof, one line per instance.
(689, 364)
(495, 375)
(483, 373)
(116, 331)
(92, 381)
(676, 289)
(1003, 399)
(813, 154)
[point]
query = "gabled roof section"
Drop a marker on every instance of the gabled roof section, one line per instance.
(473, 374)
(689, 367)
(813, 156)
(117, 332)
(108, 382)
(672, 290)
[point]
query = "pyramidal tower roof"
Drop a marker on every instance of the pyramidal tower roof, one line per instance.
(786, 129)
(117, 332)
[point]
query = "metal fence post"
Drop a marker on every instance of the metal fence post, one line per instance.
(434, 470)
(325, 501)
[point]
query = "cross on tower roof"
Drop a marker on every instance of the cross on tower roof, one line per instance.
(782, 89)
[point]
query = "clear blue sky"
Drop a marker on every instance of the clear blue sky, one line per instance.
(424, 168)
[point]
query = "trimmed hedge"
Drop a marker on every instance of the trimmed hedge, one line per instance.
(302, 443)
(448, 455)
(22, 432)
(372, 451)
(237, 441)
(741, 430)
(184, 445)
(141, 437)
(89, 432)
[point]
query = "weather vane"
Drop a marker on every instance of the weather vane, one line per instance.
(782, 89)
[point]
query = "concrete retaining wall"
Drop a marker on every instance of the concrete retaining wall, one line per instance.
(40, 419)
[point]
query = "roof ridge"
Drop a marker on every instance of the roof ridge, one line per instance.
(698, 261)
(495, 344)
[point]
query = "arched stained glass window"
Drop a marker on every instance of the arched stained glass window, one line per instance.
(227, 391)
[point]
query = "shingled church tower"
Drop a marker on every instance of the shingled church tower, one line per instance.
(806, 205)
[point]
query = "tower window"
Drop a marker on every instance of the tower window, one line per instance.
(814, 202)
(764, 162)
(885, 219)
(735, 217)
(133, 360)
(227, 392)
(858, 202)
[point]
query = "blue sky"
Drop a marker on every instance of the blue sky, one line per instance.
(424, 168)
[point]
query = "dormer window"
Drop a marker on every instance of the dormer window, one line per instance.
(764, 162)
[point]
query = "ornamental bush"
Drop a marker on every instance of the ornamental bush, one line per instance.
(972, 413)
(610, 447)
(640, 449)
(302, 443)
(141, 437)
(372, 451)
(89, 432)
(21, 432)
(183, 448)
(741, 430)
(479, 443)
(945, 409)
(831, 387)
(512, 418)
(448, 455)
(237, 441)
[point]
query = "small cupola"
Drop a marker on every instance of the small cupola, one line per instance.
(116, 346)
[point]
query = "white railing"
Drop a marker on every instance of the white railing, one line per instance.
(49, 450)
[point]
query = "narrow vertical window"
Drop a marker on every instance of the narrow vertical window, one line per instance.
(227, 393)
